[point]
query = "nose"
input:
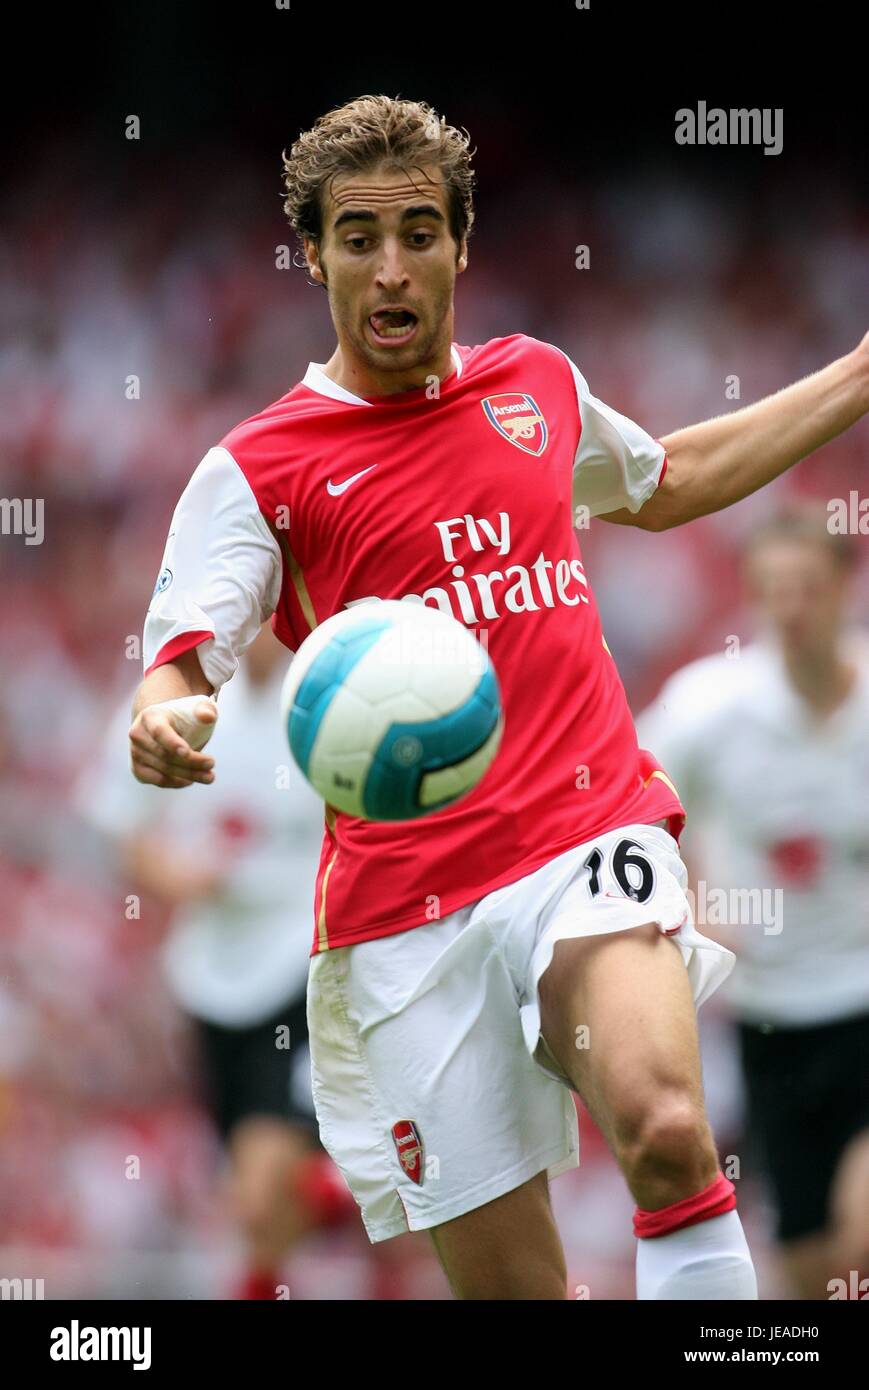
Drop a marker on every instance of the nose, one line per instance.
(392, 270)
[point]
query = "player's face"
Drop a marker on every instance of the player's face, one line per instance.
(389, 263)
(801, 592)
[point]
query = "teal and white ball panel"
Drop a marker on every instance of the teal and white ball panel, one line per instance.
(413, 749)
(449, 783)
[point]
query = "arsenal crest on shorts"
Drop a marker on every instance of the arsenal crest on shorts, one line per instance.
(517, 416)
(409, 1147)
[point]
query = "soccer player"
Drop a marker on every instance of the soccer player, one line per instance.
(469, 968)
(770, 749)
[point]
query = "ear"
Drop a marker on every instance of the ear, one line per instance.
(462, 258)
(312, 256)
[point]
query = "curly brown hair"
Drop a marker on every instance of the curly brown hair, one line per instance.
(372, 130)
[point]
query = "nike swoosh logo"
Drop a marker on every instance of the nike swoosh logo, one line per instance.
(335, 489)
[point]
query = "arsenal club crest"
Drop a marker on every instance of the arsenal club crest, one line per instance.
(518, 418)
(408, 1145)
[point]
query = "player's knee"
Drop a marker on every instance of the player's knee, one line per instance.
(666, 1140)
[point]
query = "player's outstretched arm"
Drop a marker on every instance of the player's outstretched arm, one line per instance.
(160, 752)
(716, 463)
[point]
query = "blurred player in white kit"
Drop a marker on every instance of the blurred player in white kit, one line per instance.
(237, 866)
(769, 747)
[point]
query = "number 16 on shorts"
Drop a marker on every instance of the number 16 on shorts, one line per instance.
(629, 868)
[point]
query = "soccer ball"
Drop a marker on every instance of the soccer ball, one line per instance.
(392, 710)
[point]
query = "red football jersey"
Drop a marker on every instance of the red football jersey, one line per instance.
(459, 494)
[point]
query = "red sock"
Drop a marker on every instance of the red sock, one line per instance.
(258, 1283)
(714, 1200)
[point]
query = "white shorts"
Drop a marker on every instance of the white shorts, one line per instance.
(427, 1043)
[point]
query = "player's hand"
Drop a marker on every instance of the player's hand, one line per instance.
(165, 740)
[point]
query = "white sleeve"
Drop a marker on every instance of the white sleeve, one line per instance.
(617, 463)
(221, 572)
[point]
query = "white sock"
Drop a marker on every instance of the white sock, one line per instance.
(709, 1260)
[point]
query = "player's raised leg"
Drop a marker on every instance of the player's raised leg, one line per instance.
(507, 1249)
(640, 1077)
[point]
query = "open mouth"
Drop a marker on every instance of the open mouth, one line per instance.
(393, 326)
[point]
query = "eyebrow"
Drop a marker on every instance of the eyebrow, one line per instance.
(366, 214)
